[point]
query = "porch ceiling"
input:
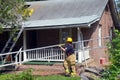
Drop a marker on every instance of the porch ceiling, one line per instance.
(65, 13)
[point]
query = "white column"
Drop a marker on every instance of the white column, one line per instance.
(79, 45)
(24, 44)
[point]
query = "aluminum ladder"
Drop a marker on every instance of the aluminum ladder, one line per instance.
(11, 43)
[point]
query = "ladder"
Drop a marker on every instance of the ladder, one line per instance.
(11, 42)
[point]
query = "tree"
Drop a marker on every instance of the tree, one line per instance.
(113, 70)
(11, 12)
(117, 5)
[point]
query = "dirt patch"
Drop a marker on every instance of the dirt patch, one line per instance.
(55, 69)
(43, 69)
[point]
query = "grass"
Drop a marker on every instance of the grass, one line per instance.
(56, 77)
(26, 75)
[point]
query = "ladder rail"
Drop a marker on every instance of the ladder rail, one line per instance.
(2, 58)
(6, 44)
(16, 39)
(12, 42)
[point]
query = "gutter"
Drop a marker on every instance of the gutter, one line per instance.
(84, 21)
(94, 21)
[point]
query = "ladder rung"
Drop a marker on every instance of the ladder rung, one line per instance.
(7, 47)
(16, 34)
(12, 40)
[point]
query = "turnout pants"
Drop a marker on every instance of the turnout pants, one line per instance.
(69, 65)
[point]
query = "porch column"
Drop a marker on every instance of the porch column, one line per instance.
(80, 45)
(24, 44)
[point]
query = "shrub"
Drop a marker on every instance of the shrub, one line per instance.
(25, 75)
(113, 70)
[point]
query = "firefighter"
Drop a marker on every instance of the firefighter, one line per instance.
(69, 62)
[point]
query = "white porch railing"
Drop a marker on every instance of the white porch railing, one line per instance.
(52, 53)
(17, 58)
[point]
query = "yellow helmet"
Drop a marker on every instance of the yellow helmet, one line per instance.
(69, 39)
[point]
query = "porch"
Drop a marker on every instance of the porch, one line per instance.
(53, 53)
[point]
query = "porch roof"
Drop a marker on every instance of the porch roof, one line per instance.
(65, 13)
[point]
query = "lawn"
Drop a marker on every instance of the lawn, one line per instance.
(26, 75)
(56, 77)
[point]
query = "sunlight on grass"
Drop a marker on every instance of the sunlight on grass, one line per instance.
(57, 77)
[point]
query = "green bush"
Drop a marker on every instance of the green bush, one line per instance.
(25, 75)
(113, 70)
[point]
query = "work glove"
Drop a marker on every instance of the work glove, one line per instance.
(60, 45)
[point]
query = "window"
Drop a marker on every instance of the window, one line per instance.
(111, 32)
(99, 35)
(64, 33)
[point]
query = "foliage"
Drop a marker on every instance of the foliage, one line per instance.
(113, 70)
(118, 5)
(11, 13)
(26, 75)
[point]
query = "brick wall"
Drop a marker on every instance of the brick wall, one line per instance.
(106, 23)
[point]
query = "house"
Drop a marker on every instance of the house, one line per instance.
(88, 22)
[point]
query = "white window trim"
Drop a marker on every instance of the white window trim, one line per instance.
(99, 36)
(111, 32)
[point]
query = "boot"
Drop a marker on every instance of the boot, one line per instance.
(67, 73)
(72, 74)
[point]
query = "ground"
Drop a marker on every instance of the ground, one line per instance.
(54, 69)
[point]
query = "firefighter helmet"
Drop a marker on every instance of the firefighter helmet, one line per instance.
(69, 39)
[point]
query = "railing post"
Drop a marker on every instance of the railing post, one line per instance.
(79, 51)
(16, 59)
(83, 51)
(79, 56)
(1, 60)
(20, 58)
(24, 56)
